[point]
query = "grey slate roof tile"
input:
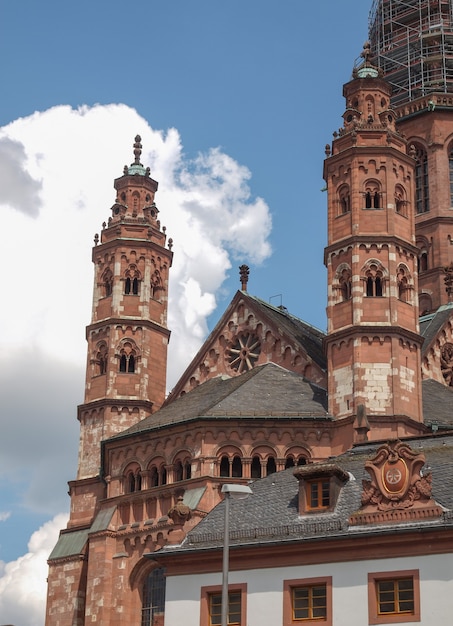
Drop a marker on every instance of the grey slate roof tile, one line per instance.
(265, 391)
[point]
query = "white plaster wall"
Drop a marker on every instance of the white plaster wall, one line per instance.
(350, 593)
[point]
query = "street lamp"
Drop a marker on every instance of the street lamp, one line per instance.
(238, 492)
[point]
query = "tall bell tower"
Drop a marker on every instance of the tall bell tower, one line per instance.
(128, 335)
(373, 345)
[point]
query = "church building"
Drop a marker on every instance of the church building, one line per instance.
(272, 402)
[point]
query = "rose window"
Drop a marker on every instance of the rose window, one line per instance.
(244, 352)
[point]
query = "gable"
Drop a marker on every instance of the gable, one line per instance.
(437, 351)
(252, 333)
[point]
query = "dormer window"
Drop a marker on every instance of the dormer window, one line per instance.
(319, 487)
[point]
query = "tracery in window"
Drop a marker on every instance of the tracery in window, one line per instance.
(182, 470)
(400, 200)
(158, 476)
(127, 355)
(421, 181)
(343, 280)
(133, 479)
(101, 358)
(372, 195)
(344, 199)
(156, 285)
(231, 468)
(244, 352)
(404, 281)
(374, 280)
(107, 282)
(131, 282)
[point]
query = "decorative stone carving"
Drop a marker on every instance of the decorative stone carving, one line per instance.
(398, 490)
(244, 352)
(446, 363)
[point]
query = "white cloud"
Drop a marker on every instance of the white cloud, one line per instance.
(4, 515)
(23, 582)
(55, 195)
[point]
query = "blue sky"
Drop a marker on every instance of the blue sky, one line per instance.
(259, 81)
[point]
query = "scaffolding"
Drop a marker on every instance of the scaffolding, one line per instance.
(412, 42)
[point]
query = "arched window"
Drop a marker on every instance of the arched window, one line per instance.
(133, 481)
(132, 281)
(400, 201)
(182, 471)
(163, 476)
(372, 194)
(421, 181)
(127, 355)
(107, 282)
(374, 281)
(154, 478)
(101, 359)
(345, 200)
(403, 281)
(256, 467)
(224, 466)
(153, 596)
(289, 462)
(345, 284)
(178, 471)
(236, 468)
(271, 467)
(423, 262)
(372, 200)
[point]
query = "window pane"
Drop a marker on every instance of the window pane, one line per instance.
(395, 596)
(234, 609)
(309, 602)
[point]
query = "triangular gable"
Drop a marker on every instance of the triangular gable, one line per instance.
(437, 351)
(250, 333)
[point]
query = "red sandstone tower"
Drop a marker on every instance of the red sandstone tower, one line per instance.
(128, 335)
(373, 346)
(412, 43)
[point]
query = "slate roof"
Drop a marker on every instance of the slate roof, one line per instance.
(437, 404)
(265, 391)
(270, 514)
(310, 337)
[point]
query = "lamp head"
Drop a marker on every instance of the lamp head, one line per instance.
(238, 492)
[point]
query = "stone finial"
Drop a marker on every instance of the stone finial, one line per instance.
(244, 272)
(179, 513)
(137, 150)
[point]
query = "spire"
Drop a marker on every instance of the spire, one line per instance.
(136, 167)
(366, 69)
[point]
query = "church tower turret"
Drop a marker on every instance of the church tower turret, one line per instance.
(373, 345)
(128, 335)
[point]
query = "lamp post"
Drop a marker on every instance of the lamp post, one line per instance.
(238, 492)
